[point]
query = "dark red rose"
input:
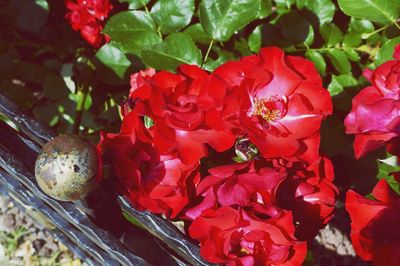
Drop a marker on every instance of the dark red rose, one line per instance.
(237, 185)
(259, 235)
(154, 182)
(309, 193)
(374, 116)
(86, 16)
(375, 223)
(177, 103)
(282, 102)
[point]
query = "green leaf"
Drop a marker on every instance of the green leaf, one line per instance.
(339, 60)
(294, 27)
(352, 40)
(223, 56)
(381, 11)
(112, 64)
(338, 83)
(266, 9)
(176, 49)
(172, 15)
(255, 40)
(220, 19)
(341, 99)
(386, 51)
(318, 61)
(79, 97)
(131, 31)
(352, 55)
(331, 34)
(385, 171)
(29, 15)
(324, 9)
(197, 33)
(360, 26)
(135, 4)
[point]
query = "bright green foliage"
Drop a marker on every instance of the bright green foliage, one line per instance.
(220, 19)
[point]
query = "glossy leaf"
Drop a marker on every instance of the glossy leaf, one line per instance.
(197, 33)
(382, 11)
(318, 61)
(112, 64)
(172, 15)
(177, 49)
(324, 9)
(135, 4)
(132, 30)
(220, 19)
(386, 51)
(266, 9)
(331, 34)
(360, 25)
(255, 40)
(339, 60)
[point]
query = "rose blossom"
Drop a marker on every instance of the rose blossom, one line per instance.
(259, 235)
(374, 225)
(177, 103)
(154, 182)
(86, 16)
(281, 102)
(375, 114)
(237, 185)
(308, 191)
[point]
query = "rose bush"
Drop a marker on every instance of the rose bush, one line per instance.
(213, 120)
(242, 213)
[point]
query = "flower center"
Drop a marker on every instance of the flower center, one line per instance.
(270, 109)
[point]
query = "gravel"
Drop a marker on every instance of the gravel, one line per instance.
(25, 242)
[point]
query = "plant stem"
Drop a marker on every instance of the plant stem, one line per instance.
(397, 25)
(208, 52)
(325, 49)
(80, 106)
(367, 35)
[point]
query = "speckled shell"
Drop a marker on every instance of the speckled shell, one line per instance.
(66, 168)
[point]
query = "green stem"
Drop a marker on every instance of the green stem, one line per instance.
(367, 35)
(397, 25)
(80, 106)
(208, 51)
(326, 49)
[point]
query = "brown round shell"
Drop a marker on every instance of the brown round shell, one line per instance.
(66, 168)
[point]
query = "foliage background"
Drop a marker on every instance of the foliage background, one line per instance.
(50, 72)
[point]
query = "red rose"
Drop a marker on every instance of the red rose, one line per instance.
(237, 185)
(260, 235)
(309, 193)
(282, 102)
(177, 103)
(374, 225)
(153, 182)
(86, 16)
(374, 117)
